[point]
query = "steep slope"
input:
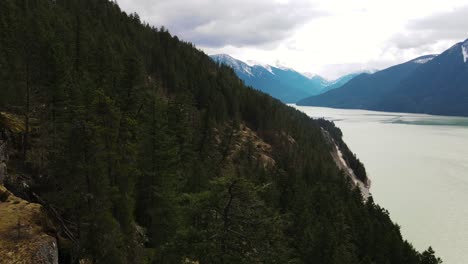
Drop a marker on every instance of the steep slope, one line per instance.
(152, 153)
(366, 90)
(440, 86)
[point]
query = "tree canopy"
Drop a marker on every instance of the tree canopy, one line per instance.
(153, 153)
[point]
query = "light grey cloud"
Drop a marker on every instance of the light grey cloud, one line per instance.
(452, 26)
(217, 23)
(334, 71)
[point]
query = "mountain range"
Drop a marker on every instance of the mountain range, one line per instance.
(280, 82)
(431, 84)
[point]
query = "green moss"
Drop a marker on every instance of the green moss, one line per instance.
(21, 235)
(13, 122)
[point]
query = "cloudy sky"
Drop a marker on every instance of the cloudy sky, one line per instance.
(328, 37)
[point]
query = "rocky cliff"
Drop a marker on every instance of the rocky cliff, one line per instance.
(337, 154)
(23, 236)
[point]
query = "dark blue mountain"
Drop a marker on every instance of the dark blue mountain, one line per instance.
(284, 84)
(433, 84)
(437, 87)
(366, 90)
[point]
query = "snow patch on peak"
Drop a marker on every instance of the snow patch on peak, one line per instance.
(247, 70)
(237, 65)
(309, 75)
(224, 58)
(424, 59)
(464, 48)
(267, 67)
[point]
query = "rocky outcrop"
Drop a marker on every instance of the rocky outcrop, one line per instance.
(244, 139)
(23, 236)
(341, 163)
(23, 239)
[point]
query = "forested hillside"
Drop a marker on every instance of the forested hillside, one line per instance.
(146, 151)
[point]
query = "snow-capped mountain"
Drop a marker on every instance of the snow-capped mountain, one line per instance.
(281, 82)
(432, 84)
(237, 65)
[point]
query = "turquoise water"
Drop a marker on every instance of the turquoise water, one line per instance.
(418, 165)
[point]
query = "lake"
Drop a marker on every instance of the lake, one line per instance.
(418, 165)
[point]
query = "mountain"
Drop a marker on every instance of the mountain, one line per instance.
(282, 83)
(364, 90)
(141, 149)
(432, 84)
(439, 86)
(331, 85)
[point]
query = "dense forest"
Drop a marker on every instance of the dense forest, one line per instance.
(147, 151)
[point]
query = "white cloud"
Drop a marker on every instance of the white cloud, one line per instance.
(217, 23)
(329, 37)
(451, 26)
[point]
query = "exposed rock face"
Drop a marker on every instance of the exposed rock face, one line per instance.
(243, 138)
(23, 239)
(22, 236)
(263, 151)
(343, 165)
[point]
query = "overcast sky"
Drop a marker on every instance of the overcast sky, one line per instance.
(328, 37)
